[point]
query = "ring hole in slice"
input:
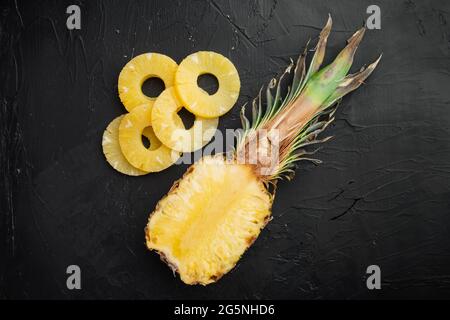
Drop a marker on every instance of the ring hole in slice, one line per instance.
(187, 118)
(208, 82)
(153, 86)
(146, 142)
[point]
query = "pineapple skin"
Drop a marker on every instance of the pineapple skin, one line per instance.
(209, 218)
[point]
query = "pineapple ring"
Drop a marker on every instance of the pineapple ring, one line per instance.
(139, 69)
(170, 129)
(194, 98)
(130, 139)
(113, 153)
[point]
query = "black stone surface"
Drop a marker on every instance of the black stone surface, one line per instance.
(382, 195)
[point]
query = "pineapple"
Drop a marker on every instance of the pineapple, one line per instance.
(200, 227)
(113, 153)
(170, 129)
(194, 98)
(156, 158)
(214, 213)
(139, 69)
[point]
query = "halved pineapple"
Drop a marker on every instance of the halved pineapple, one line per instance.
(170, 129)
(194, 98)
(139, 69)
(213, 214)
(130, 138)
(208, 219)
(113, 153)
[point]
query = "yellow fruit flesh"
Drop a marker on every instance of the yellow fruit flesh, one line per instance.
(152, 138)
(170, 129)
(113, 153)
(139, 69)
(130, 139)
(196, 99)
(206, 222)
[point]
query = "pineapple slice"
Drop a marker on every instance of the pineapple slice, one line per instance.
(170, 129)
(113, 153)
(138, 70)
(208, 219)
(131, 128)
(195, 99)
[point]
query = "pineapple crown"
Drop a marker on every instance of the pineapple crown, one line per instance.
(305, 111)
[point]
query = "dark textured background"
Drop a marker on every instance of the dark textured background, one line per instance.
(385, 176)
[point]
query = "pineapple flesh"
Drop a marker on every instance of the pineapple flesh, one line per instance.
(170, 129)
(194, 98)
(153, 159)
(208, 219)
(113, 153)
(139, 69)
